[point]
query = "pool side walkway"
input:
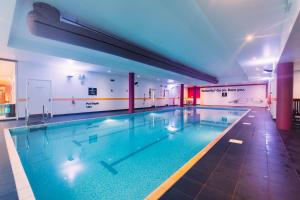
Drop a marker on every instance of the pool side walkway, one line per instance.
(260, 168)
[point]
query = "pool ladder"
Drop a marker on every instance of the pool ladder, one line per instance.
(35, 119)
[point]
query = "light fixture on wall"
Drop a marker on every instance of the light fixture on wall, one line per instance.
(81, 77)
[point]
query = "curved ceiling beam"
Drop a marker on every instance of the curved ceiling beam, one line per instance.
(45, 21)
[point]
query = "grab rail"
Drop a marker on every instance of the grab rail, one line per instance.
(296, 106)
(296, 113)
(42, 120)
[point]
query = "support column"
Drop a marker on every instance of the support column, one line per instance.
(284, 106)
(181, 94)
(131, 92)
(195, 96)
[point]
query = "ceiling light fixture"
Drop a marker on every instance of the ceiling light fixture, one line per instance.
(249, 38)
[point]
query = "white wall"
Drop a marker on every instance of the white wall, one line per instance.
(64, 89)
(247, 95)
(296, 93)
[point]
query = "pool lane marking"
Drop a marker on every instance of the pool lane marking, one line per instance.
(165, 186)
(79, 143)
(110, 168)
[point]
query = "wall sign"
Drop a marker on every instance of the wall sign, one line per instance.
(93, 91)
(236, 95)
(91, 104)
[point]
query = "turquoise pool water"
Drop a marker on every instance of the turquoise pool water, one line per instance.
(123, 157)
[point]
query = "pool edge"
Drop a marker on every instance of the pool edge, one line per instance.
(166, 185)
(23, 187)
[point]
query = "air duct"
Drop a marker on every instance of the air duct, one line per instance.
(46, 21)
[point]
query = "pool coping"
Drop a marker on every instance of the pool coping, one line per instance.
(23, 187)
(166, 185)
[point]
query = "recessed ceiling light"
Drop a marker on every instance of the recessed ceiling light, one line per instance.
(70, 61)
(138, 76)
(170, 81)
(249, 38)
(108, 71)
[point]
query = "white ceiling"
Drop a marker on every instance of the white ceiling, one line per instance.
(208, 35)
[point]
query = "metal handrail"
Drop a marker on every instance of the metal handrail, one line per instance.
(296, 107)
(27, 116)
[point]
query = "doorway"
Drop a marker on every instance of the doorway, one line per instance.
(152, 97)
(7, 89)
(39, 97)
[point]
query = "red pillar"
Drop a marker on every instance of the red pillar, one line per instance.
(181, 94)
(195, 96)
(131, 92)
(284, 106)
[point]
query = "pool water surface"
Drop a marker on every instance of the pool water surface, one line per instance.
(123, 157)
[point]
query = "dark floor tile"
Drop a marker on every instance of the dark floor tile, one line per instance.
(253, 172)
(174, 194)
(7, 186)
(230, 162)
(189, 187)
(195, 175)
(231, 173)
(249, 188)
(222, 182)
(279, 192)
(9, 196)
(284, 178)
(209, 193)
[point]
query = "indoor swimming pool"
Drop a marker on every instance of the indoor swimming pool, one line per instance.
(121, 157)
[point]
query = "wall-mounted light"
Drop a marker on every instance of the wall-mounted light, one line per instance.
(81, 77)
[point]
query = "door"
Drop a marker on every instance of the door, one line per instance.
(39, 97)
(152, 96)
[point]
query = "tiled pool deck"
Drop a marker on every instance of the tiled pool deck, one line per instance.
(260, 168)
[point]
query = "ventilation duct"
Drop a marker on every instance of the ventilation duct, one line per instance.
(45, 21)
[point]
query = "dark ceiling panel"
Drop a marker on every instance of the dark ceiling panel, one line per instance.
(46, 21)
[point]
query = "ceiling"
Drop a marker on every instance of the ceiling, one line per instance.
(208, 35)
